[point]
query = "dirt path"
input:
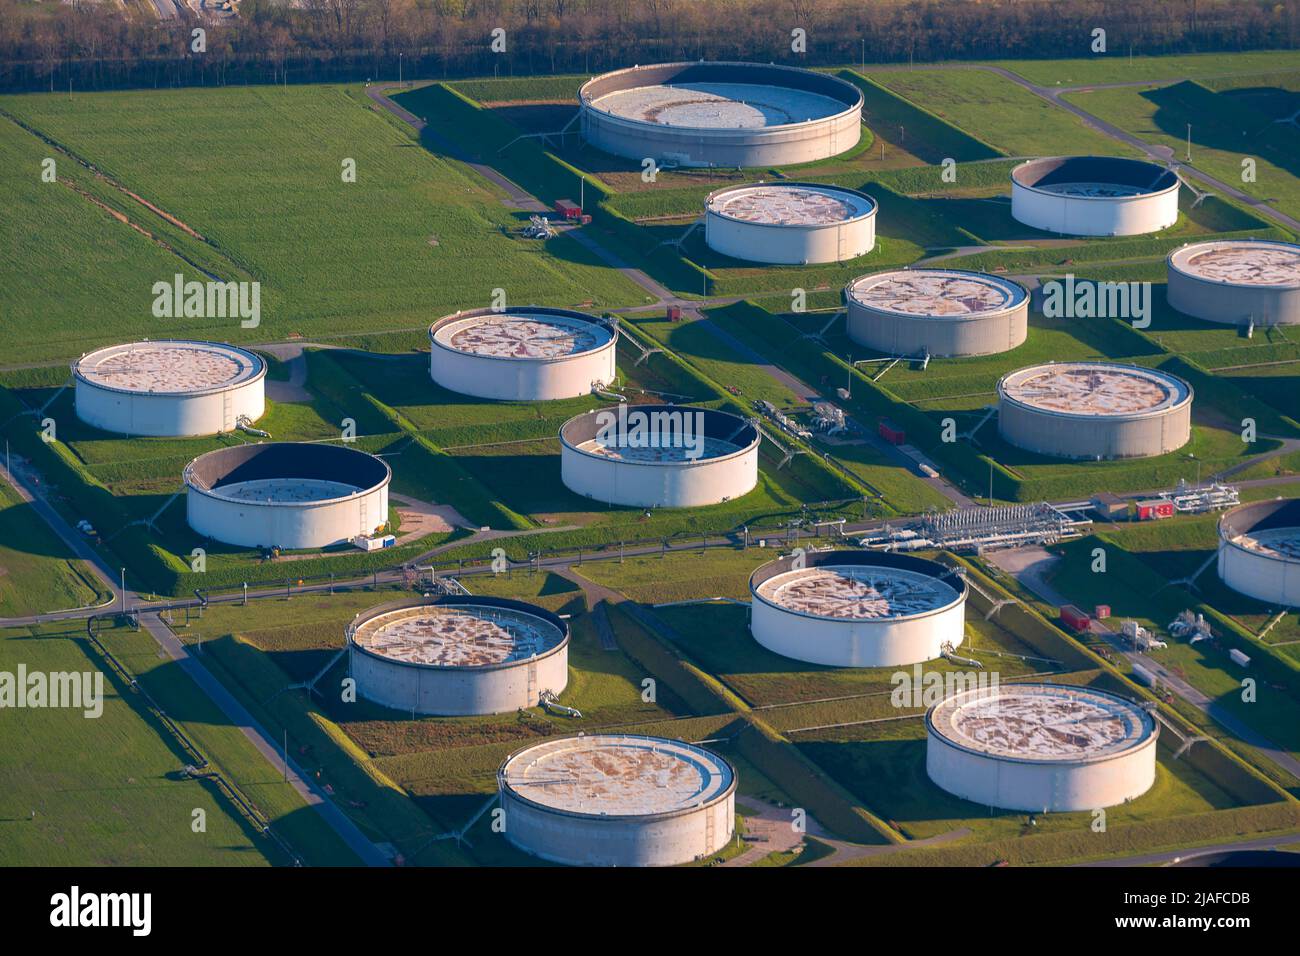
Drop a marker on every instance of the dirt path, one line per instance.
(420, 518)
(770, 830)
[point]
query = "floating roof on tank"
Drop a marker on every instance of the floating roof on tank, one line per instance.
(1261, 263)
(1041, 723)
(790, 204)
(458, 632)
(285, 460)
(617, 775)
(169, 367)
(851, 584)
(937, 293)
(523, 333)
(1094, 389)
(1135, 177)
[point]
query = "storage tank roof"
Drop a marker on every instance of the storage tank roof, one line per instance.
(937, 293)
(857, 592)
(1041, 722)
(1245, 262)
(169, 368)
(786, 204)
(523, 335)
(457, 635)
(660, 435)
(716, 105)
(618, 775)
(1094, 389)
(1274, 542)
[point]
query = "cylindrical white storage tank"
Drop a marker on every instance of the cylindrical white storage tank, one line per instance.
(857, 608)
(938, 312)
(1041, 748)
(459, 655)
(790, 223)
(1237, 281)
(286, 494)
(522, 353)
(659, 456)
(1259, 551)
(617, 800)
(1094, 195)
(174, 389)
(721, 114)
(1094, 410)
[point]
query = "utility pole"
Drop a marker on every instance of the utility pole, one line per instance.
(1189, 142)
(124, 590)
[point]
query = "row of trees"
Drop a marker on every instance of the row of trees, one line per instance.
(96, 45)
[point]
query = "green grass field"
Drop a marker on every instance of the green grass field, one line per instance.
(1140, 564)
(37, 571)
(1001, 113)
(884, 764)
(245, 184)
(415, 236)
(103, 791)
(1225, 129)
(1117, 67)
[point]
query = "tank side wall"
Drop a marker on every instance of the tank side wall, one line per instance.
(454, 692)
(856, 643)
(609, 841)
(1090, 217)
(1033, 788)
(1088, 438)
(520, 380)
(131, 413)
(790, 245)
(642, 486)
(894, 334)
(1232, 305)
(260, 526)
(745, 148)
(1259, 576)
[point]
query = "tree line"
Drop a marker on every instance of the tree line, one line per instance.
(99, 45)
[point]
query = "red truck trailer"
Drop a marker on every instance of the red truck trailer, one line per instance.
(568, 209)
(1075, 619)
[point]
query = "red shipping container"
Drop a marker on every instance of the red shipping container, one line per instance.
(674, 313)
(1151, 510)
(1102, 612)
(891, 433)
(1074, 618)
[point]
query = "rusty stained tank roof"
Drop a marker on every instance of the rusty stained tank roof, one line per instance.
(618, 775)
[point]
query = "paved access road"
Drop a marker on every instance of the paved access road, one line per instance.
(1030, 565)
